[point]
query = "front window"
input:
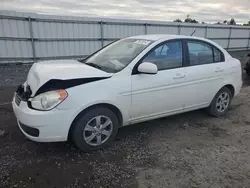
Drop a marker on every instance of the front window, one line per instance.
(166, 56)
(118, 55)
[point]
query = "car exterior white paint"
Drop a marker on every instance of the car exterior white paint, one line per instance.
(138, 97)
(42, 72)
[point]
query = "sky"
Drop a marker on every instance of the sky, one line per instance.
(209, 11)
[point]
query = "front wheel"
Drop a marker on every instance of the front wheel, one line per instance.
(95, 129)
(221, 102)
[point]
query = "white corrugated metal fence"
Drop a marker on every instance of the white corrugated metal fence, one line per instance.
(26, 37)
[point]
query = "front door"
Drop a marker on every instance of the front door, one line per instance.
(160, 94)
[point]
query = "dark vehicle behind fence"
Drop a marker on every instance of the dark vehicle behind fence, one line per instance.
(247, 66)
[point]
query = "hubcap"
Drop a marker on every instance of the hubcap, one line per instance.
(98, 130)
(222, 102)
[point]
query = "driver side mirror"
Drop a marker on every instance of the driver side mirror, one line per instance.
(147, 68)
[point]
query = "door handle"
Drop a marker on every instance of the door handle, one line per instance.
(179, 76)
(219, 70)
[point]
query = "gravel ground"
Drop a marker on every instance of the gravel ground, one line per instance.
(12, 75)
(187, 150)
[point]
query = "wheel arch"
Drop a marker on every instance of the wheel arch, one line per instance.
(111, 107)
(231, 88)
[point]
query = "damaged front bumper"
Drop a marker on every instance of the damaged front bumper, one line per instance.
(41, 126)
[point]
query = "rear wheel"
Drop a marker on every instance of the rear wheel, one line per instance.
(221, 102)
(95, 129)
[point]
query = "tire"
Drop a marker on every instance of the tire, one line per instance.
(85, 131)
(216, 108)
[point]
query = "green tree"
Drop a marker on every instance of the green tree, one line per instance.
(177, 20)
(232, 22)
(190, 20)
(247, 24)
(225, 22)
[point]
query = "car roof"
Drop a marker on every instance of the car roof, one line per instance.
(162, 36)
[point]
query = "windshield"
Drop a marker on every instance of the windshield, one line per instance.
(118, 55)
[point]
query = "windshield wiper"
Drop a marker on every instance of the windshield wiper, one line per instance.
(82, 60)
(94, 65)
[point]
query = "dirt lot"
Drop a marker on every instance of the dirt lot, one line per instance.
(188, 150)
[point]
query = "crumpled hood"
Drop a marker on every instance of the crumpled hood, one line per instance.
(42, 72)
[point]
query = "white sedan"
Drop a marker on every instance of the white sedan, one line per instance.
(132, 80)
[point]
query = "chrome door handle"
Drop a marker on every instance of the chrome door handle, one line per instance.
(219, 70)
(179, 76)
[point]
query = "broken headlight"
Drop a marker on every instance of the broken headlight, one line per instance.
(48, 100)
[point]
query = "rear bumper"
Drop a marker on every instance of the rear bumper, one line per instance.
(238, 88)
(42, 126)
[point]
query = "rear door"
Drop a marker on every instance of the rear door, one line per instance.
(204, 75)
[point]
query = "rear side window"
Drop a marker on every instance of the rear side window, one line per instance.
(217, 55)
(202, 53)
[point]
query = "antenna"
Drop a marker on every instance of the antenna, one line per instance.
(193, 33)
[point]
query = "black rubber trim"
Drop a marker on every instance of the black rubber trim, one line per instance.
(55, 84)
(185, 54)
(135, 69)
(29, 130)
(146, 73)
(24, 96)
(204, 42)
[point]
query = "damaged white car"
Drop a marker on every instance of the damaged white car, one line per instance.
(129, 81)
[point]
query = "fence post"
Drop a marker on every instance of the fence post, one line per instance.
(229, 38)
(146, 28)
(32, 39)
(179, 29)
(248, 44)
(206, 32)
(101, 29)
